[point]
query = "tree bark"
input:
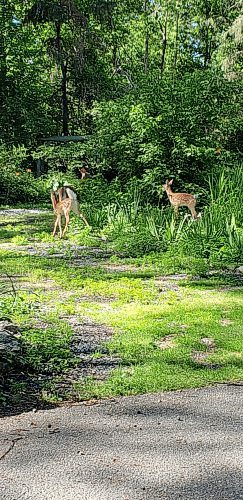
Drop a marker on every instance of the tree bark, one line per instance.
(176, 41)
(146, 42)
(65, 115)
(207, 55)
(3, 56)
(164, 44)
(63, 65)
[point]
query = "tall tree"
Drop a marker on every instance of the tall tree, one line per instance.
(59, 13)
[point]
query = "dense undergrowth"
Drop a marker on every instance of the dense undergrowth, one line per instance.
(217, 235)
(134, 227)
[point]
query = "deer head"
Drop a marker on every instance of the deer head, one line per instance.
(84, 173)
(166, 186)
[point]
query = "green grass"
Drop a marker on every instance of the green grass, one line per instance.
(189, 314)
(130, 295)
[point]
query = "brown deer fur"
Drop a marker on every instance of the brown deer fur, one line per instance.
(180, 199)
(65, 200)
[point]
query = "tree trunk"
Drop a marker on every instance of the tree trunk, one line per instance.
(164, 44)
(207, 55)
(38, 167)
(64, 99)
(3, 55)
(176, 41)
(114, 55)
(63, 65)
(146, 42)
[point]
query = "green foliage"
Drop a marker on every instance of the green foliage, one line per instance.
(144, 84)
(18, 183)
(182, 128)
(48, 350)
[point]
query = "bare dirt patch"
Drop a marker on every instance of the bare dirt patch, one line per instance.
(121, 268)
(167, 342)
(93, 357)
(202, 358)
(226, 322)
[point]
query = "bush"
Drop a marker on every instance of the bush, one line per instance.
(18, 184)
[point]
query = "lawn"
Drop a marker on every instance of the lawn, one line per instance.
(175, 322)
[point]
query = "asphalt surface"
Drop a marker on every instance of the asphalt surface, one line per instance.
(177, 445)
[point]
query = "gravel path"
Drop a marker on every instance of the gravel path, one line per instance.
(12, 212)
(178, 445)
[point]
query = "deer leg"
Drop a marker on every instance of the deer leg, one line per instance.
(176, 210)
(82, 217)
(67, 217)
(60, 224)
(193, 211)
(75, 208)
(55, 226)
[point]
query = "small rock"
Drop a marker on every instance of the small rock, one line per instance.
(226, 322)
(208, 342)
(9, 343)
(6, 326)
(239, 269)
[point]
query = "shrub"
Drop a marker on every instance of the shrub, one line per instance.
(18, 184)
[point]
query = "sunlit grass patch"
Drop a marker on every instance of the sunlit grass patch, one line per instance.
(189, 320)
(169, 263)
(19, 240)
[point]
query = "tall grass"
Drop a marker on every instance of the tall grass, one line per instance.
(135, 229)
(219, 231)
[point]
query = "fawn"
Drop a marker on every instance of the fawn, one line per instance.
(62, 207)
(180, 199)
(63, 201)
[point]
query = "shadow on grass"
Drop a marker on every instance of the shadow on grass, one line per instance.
(22, 392)
(217, 281)
(29, 226)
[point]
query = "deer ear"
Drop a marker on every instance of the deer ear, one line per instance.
(170, 182)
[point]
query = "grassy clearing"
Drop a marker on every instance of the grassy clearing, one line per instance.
(188, 315)
(147, 308)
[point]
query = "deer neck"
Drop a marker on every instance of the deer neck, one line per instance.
(169, 192)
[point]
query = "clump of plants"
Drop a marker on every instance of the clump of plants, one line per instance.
(135, 228)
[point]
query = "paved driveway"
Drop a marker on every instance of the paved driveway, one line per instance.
(178, 445)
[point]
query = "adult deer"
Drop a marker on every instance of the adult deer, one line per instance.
(180, 199)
